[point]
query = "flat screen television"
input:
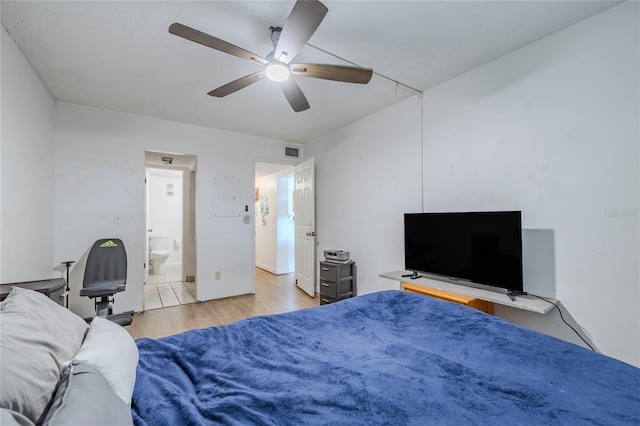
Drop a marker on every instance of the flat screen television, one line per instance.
(480, 249)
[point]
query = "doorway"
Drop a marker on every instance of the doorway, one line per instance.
(274, 228)
(170, 226)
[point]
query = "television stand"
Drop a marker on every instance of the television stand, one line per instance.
(526, 303)
(473, 302)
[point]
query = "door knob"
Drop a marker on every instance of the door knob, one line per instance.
(311, 234)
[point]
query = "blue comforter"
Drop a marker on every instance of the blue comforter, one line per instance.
(390, 358)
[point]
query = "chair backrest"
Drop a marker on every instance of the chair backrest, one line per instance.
(106, 265)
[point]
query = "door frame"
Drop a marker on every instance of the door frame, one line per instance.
(186, 163)
(281, 162)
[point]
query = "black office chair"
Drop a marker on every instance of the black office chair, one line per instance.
(105, 274)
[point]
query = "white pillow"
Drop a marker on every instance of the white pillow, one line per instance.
(38, 337)
(13, 418)
(111, 350)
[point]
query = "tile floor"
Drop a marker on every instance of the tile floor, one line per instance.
(161, 291)
(173, 274)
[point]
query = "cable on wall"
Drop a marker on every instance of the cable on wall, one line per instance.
(397, 83)
(359, 66)
(565, 321)
(422, 149)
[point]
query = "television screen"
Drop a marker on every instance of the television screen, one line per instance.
(478, 247)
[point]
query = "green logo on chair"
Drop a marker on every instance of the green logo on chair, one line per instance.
(108, 244)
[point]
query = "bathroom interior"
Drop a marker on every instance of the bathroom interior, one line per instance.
(167, 282)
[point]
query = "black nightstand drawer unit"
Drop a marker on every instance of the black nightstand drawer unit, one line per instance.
(342, 288)
(335, 271)
(325, 300)
(337, 281)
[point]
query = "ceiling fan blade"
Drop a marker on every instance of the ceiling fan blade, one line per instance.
(294, 95)
(303, 21)
(236, 85)
(333, 72)
(215, 43)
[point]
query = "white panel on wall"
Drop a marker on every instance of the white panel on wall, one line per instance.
(538, 262)
(226, 197)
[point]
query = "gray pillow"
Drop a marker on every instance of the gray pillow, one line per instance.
(38, 337)
(84, 397)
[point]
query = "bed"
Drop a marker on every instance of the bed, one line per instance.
(383, 358)
(57, 370)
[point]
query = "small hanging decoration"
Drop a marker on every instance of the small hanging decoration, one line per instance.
(264, 208)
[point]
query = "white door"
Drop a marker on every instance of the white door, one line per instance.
(305, 246)
(146, 224)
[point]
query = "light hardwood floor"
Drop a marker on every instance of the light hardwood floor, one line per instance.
(274, 294)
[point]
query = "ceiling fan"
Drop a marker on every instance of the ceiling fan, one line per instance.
(304, 19)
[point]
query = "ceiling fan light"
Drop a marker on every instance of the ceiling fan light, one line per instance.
(277, 72)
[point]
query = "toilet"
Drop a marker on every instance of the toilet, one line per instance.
(159, 254)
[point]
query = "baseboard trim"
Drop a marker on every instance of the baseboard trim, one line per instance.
(266, 267)
(271, 269)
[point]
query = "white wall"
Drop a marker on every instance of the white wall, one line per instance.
(100, 174)
(27, 158)
(367, 177)
(165, 211)
(552, 130)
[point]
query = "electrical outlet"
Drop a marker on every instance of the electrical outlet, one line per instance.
(217, 275)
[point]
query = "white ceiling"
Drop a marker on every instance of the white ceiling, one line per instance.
(120, 56)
